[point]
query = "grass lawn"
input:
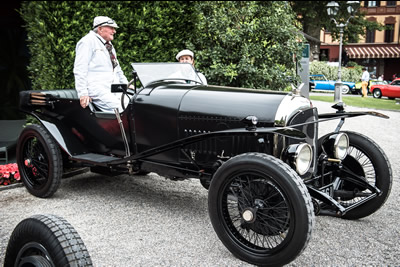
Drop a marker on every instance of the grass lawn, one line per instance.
(369, 102)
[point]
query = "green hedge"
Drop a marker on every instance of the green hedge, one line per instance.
(349, 74)
(148, 32)
(236, 43)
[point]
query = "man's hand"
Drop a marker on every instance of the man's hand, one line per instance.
(84, 100)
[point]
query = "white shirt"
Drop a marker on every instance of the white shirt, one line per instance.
(365, 76)
(94, 72)
(202, 78)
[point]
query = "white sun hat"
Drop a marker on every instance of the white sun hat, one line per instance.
(184, 52)
(104, 21)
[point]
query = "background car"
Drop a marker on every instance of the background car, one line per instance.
(357, 89)
(320, 82)
(391, 90)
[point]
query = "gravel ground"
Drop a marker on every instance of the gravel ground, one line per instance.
(150, 221)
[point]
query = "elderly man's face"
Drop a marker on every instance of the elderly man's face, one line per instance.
(186, 59)
(107, 32)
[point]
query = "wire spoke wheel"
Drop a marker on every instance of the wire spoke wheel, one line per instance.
(36, 162)
(260, 209)
(368, 161)
(360, 164)
(39, 161)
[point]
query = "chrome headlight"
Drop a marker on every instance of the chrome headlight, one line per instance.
(341, 146)
(336, 145)
(299, 157)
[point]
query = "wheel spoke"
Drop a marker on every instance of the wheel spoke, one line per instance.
(272, 217)
(37, 170)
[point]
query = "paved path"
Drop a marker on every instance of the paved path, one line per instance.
(150, 221)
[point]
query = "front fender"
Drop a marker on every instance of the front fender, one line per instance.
(339, 115)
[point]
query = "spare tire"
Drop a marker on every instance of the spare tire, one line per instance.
(46, 240)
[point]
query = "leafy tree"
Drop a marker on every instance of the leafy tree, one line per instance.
(247, 43)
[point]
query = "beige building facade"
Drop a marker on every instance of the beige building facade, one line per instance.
(379, 51)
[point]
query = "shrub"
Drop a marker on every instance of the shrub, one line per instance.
(352, 74)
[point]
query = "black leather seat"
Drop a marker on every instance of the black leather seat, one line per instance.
(65, 93)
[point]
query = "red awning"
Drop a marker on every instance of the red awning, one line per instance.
(373, 52)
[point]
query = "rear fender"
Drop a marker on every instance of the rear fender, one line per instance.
(65, 139)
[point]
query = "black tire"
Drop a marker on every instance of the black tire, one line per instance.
(377, 93)
(46, 240)
(345, 89)
(205, 183)
(263, 186)
(39, 161)
(368, 160)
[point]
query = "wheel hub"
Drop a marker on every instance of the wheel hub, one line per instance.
(28, 162)
(249, 215)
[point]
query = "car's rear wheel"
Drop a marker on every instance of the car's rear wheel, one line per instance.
(377, 93)
(260, 209)
(345, 89)
(46, 240)
(39, 161)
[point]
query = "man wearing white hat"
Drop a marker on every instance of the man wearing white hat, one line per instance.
(96, 66)
(187, 56)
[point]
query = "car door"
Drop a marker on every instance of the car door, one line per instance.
(393, 90)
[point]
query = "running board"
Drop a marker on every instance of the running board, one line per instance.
(96, 159)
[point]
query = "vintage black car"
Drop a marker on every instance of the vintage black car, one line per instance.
(257, 152)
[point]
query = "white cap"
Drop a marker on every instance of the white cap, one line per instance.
(185, 52)
(104, 21)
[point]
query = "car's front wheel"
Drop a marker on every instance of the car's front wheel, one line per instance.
(367, 160)
(39, 161)
(377, 93)
(260, 209)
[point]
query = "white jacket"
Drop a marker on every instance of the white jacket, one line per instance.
(94, 73)
(202, 78)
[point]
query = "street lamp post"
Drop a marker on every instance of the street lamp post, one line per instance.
(332, 9)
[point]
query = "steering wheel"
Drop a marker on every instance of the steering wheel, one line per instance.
(127, 94)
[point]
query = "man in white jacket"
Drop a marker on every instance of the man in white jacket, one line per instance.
(95, 68)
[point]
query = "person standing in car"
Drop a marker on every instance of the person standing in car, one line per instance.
(96, 66)
(364, 82)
